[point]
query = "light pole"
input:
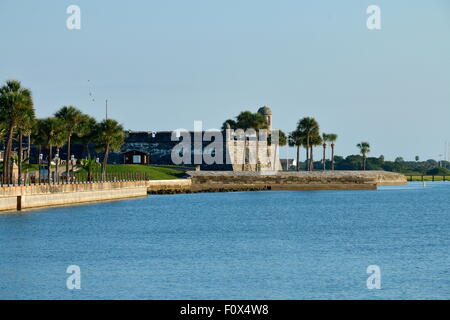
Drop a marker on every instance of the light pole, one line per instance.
(73, 161)
(41, 157)
(56, 179)
(97, 160)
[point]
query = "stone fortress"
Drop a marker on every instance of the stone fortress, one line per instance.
(256, 154)
(156, 148)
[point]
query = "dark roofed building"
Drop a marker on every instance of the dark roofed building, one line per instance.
(136, 157)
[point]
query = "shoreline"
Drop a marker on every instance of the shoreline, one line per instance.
(17, 198)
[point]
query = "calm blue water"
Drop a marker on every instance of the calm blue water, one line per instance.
(255, 245)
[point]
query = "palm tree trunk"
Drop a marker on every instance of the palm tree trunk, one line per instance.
(40, 163)
(56, 167)
(332, 156)
(29, 149)
(28, 156)
(105, 162)
(298, 158)
(324, 156)
(56, 172)
(7, 156)
(307, 158)
(11, 171)
(4, 150)
(19, 158)
(68, 159)
(308, 162)
(49, 163)
(311, 159)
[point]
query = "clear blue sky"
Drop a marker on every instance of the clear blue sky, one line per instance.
(164, 64)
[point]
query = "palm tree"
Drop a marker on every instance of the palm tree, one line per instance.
(86, 133)
(316, 140)
(28, 131)
(109, 137)
(309, 129)
(296, 139)
(25, 127)
(229, 124)
(72, 119)
(282, 138)
(39, 141)
(332, 137)
(15, 102)
(90, 165)
(249, 120)
(52, 134)
(364, 149)
(325, 141)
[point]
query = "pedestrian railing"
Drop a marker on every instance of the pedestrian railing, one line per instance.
(424, 177)
(77, 178)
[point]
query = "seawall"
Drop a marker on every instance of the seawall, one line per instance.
(35, 196)
(316, 180)
(169, 186)
(224, 181)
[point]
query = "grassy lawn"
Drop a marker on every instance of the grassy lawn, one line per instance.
(153, 172)
(184, 167)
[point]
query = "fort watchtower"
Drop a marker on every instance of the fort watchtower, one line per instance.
(267, 113)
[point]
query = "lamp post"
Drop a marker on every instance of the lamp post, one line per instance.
(97, 160)
(56, 179)
(73, 161)
(41, 157)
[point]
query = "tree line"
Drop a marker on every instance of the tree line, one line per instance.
(428, 167)
(17, 120)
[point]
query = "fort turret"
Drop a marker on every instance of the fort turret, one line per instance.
(267, 113)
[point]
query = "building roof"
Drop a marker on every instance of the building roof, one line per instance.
(134, 150)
